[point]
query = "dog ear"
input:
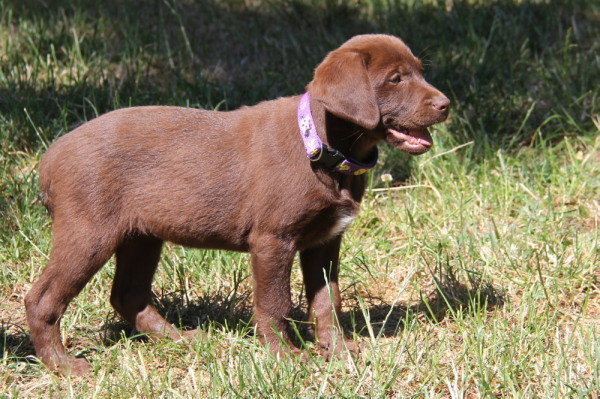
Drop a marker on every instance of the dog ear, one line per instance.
(341, 83)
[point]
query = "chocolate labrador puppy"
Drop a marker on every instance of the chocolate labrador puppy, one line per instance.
(273, 179)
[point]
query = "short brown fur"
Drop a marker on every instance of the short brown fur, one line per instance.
(131, 179)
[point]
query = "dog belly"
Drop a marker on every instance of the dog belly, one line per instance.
(212, 242)
(205, 234)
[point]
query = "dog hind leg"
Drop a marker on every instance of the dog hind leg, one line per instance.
(72, 264)
(137, 259)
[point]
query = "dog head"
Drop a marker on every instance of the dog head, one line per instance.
(377, 83)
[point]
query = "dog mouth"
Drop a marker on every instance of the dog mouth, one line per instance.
(412, 141)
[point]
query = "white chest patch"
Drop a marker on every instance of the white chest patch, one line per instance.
(341, 224)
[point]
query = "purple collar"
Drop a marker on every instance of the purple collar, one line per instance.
(317, 151)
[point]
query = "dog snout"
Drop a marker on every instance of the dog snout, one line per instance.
(441, 104)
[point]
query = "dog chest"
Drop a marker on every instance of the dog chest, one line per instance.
(318, 227)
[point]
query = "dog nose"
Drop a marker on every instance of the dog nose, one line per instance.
(441, 103)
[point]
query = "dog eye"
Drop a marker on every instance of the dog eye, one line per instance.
(395, 79)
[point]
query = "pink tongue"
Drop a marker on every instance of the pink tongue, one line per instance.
(421, 137)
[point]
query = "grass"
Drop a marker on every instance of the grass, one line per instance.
(473, 273)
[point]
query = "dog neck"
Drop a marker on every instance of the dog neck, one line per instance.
(317, 150)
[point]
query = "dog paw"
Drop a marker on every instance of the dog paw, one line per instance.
(71, 366)
(281, 351)
(193, 335)
(299, 354)
(338, 350)
(80, 367)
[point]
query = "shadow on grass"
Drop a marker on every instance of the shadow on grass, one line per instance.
(233, 311)
(15, 345)
(230, 310)
(507, 65)
(449, 299)
(115, 54)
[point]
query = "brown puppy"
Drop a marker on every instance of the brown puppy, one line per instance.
(131, 179)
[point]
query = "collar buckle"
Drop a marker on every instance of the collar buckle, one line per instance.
(330, 157)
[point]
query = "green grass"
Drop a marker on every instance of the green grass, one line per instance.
(473, 273)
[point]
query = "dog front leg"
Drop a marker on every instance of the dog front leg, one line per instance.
(271, 267)
(320, 271)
